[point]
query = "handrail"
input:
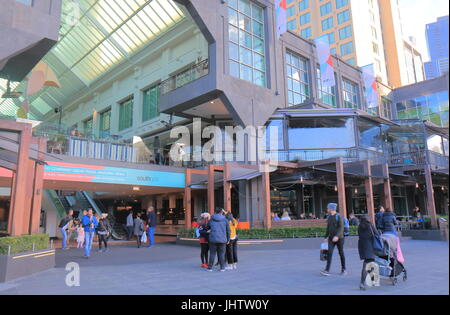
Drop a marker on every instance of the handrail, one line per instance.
(178, 80)
(57, 203)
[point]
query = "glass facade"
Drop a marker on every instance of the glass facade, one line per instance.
(326, 95)
(370, 135)
(321, 133)
(297, 79)
(150, 104)
(126, 114)
(433, 107)
(247, 41)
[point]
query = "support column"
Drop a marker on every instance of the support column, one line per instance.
(227, 188)
(431, 205)
(28, 203)
(188, 200)
(265, 192)
(341, 187)
(211, 202)
(369, 191)
(19, 188)
(387, 192)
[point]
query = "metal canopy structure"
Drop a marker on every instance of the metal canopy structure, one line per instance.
(103, 34)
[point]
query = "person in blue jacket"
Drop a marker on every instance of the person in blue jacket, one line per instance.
(89, 223)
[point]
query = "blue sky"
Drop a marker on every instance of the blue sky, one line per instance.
(416, 14)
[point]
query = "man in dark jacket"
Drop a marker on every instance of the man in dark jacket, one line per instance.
(378, 217)
(388, 222)
(151, 220)
(218, 238)
(335, 237)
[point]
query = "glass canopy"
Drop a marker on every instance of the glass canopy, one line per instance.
(95, 36)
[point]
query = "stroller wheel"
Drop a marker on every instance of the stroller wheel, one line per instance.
(394, 281)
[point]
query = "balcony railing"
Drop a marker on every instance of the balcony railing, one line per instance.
(419, 158)
(348, 155)
(181, 79)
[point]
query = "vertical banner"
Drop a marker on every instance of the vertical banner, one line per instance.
(370, 85)
(281, 16)
(325, 61)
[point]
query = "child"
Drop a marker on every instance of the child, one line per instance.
(80, 237)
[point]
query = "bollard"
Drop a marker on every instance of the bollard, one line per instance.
(51, 244)
(9, 250)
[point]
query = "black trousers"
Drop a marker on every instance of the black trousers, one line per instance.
(204, 252)
(232, 257)
(364, 272)
(218, 248)
(340, 246)
(104, 239)
(138, 239)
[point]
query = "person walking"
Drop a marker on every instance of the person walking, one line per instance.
(378, 217)
(389, 223)
(366, 233)
(151, 221)
(335, 237)
(138, 229)
(353, 220)
(232, 258)
(218, 238)
(89, 224)
(129, 225)
(204, 231)
(103, 231)
(64, 225)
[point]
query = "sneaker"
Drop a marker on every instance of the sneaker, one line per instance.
(105, 250)
(325, 273)
(229, 268)
(344, 273)
(222, 270)
(362, 287)
(234, 266)
(209, 269)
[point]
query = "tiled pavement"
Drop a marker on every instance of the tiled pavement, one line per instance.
(174, 269)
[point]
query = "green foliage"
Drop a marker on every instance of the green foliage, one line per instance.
(276, 233)
(24, 243)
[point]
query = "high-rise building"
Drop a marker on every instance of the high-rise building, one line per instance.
(437, 39)
(361, 33)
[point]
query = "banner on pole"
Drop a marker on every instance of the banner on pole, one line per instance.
(370, 85)
(325, 61)
(281, 16)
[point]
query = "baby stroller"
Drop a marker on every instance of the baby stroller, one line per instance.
(387, 260)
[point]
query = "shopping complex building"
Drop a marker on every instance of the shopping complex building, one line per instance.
(129, 72)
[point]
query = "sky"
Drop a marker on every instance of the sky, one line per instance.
(415, 14)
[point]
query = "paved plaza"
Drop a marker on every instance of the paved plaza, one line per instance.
(175, 269)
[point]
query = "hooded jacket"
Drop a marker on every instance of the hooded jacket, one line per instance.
(388, 222)
(220, 229)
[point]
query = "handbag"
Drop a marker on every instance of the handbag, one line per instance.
(144, 238)
(324, 252)
(377, 242)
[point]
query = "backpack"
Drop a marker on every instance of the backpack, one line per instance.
(346, 225)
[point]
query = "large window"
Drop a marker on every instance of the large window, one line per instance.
(87, 126)
(347, 49)
(433, 107)
(126, 114)
(343, 16)
(297, 79)
(327, 24)
(370, 136)
(325, 9)
(150, 103)
(246, 41)
(105, 124)
(321, 133)
(351, 94)
(327, 95)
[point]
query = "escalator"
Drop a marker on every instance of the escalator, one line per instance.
(80, 201)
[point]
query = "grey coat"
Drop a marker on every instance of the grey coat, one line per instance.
(138, 227)
(220, 229)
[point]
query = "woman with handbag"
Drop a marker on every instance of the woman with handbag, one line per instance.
(103, 231)
(366, 246)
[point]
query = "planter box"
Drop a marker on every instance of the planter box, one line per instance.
(25, 264)
(426, 235)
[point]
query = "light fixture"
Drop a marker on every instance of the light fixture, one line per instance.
(356, 190)
(443, 188)
(417, 185)
(335, 188)
(136, 188)
(301, 179)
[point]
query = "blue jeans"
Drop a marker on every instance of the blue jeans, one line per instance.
(64, 237)
(151, 236)
(88, 238)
